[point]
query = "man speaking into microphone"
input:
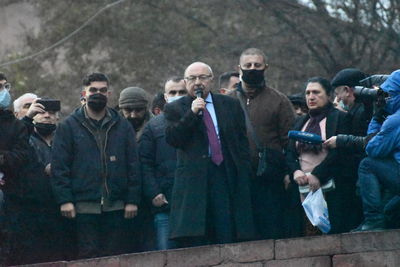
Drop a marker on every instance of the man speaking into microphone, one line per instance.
(211, 197)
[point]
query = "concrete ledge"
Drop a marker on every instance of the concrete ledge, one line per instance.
(307, 247)
(143, 259)
(368, 259)
(197, 256)
(248, 251)
(370, 241)
(352, 249)
(107, 261)
(301, 262)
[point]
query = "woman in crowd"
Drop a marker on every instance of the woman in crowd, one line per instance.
(315, 165)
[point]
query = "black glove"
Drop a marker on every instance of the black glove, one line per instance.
(380, 115)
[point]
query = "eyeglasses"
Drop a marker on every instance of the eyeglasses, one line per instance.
(202, 78)
(179, 92)
(102, 90)
(5, 86)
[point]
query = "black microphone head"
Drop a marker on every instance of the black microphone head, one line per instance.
(198, 92)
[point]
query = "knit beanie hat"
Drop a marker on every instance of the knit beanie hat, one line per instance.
(133, 97)
(350, 77)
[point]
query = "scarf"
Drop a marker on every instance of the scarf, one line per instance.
(316, 116)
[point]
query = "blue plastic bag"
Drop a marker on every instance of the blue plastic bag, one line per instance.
(317, 210)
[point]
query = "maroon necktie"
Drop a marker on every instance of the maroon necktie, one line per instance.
(215, 146)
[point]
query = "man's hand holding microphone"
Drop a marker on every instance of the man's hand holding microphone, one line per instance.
(199, 103)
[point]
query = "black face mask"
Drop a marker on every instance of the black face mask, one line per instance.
(97, 102)
(253, 78)
(136, 123)
(45, 129)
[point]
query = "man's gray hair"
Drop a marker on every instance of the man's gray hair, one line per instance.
(17, 102)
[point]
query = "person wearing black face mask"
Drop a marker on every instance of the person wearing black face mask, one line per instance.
(94, 172)
(269, 118)
(41, 228)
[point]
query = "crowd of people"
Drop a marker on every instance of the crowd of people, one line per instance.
(198, 165)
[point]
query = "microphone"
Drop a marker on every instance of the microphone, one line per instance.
(305, 137)
(199, 93)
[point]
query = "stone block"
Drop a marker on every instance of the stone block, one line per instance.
(248, 251)
(149, 259)
(197, 256)
(368, 259)
(307, 247)
(370, 241)
(324, 261)
(237, 264)
(96, 262)
(50, 264)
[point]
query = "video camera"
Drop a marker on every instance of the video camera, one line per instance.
(367, 93)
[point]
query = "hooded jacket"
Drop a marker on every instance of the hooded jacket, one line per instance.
(387, 142)
(80, 169)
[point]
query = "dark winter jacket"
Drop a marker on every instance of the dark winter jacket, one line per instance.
(157, 161)
(271, 115)
(80, 170)
(35, 182)
(360, 117)
(14, 151)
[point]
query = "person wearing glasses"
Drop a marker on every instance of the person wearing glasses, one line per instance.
(14, 153)
(94, 169)
(270, 117)
(158, 164)
(211, 196)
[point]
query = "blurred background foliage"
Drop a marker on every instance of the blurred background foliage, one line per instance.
(143, 42)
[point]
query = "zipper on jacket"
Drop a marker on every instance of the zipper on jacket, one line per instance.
(103, 156)
(248, 101)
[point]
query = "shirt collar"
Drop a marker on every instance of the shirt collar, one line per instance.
(209, 98)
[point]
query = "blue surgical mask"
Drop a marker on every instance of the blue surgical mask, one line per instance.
(343, 106)
(5, 99)
(173, 98)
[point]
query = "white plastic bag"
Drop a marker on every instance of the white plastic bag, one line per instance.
(317, 210)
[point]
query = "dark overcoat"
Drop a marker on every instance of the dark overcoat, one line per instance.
(186, 131)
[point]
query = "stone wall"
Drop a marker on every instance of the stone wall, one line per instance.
(370, 249)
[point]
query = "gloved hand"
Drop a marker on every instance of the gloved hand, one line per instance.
(380, 115)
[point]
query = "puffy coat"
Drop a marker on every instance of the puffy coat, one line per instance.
(387, 142)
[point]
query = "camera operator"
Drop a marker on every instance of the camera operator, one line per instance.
(344, 83)
(380, 169)
(368, 95)
(360, 113)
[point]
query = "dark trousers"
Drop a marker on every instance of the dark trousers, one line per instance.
(142, 233)
(101, 234)
(375, 175)
(268, 200)
(36, 236)
(220, 225)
